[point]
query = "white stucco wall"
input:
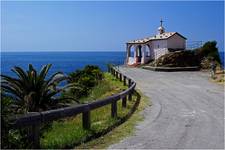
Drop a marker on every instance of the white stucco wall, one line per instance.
(176, 42)
(159, 48)
(159, 52)
(159, 44)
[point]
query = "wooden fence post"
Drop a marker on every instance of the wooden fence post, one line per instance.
(130, 93)
(124, 80)
(114, 109)
(120, 77)
(129, 82)
(109, 68)
(86, 120)
(124, 101)
(35, 135)
(130, 96)
(117, 74)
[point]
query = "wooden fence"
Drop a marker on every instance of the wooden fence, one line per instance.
(35, 119)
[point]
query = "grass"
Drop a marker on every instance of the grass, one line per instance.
(122, 131)
(109, 86)
(219, 77)
(68, 132)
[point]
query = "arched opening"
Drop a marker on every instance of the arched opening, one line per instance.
(132, 51)
(148, 51)
(138, 53)
(131, 54)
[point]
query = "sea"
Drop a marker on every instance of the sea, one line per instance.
(65, 62)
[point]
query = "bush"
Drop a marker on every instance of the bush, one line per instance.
(199, 57)
(208, 51)
(177, 59)
(84, 80)
(10, 138)
(5, 114)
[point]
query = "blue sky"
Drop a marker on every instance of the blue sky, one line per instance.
(72, 26)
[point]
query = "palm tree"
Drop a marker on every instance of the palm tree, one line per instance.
(31, 90)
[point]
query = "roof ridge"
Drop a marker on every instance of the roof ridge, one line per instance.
(164, 35)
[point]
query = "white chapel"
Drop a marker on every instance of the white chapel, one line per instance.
(153, 47)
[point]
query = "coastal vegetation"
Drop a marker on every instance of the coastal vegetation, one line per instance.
(124, 130)
(177, 59)
(27, 93)
(219, 77)
(69, 132)
(198, 57)
(208, 51)
(31, 91)
(82, 82)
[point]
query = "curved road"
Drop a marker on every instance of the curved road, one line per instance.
(187, 111)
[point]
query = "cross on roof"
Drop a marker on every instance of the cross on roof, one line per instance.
(161, 21)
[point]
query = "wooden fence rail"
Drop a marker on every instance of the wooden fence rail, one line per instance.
(35, 119)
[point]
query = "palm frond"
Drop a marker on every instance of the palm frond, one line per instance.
(31, 89)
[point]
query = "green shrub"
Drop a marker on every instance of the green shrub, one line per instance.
(177, 59)
(11, 138)
(5, 114)
(83, 81)
(209, 51)
(65, 133)
(199, 57)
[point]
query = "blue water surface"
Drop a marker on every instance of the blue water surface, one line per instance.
(65, 62)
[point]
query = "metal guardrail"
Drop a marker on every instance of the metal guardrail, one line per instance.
(190, 45)
(35, 119)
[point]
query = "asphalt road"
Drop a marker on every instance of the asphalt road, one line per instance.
(187, 111)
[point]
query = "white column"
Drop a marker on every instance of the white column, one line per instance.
(128, 52)
(135, 53)
(143, 51)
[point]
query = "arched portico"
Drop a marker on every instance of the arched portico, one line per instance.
(142, 53)
(136, 58)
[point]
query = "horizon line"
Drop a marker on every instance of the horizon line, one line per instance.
(73, 51)
(66, 51)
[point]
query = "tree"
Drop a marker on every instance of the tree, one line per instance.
(31, 91)
(209, 50)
